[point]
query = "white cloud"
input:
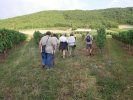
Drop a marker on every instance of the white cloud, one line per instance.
(121, 3)
(54, 4)
(10, 8)
(115, 1)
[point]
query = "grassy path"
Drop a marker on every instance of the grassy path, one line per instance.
(77, 78)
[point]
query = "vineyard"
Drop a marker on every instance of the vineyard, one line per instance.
(124, 36)
(95, 67)
(10, 38)
(106, 75)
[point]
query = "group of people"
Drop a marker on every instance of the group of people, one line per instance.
(49, 44)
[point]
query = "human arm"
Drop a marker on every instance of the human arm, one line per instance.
(40, 46)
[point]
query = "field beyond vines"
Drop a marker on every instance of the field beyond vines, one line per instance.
(99, 77)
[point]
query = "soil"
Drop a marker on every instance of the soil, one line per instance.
(30, 32)
(125, 26)
(2, 57)
(94, 50)
(126, 48)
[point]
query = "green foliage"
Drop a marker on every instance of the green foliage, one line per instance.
(74, 28)
(83, 35)
(101, 37)
(9, 38)
(37, 36)
(71, 18)
(124, 36)
(130, 22)
(58, 35)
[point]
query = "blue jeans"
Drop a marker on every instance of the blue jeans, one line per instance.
(47, 59)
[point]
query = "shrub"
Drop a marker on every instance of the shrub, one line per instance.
(100, 38)
(37, 36)
(9, 38)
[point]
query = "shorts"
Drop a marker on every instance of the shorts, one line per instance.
(88, 46)
(63, 46)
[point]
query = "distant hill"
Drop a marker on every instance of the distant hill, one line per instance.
(111, 17)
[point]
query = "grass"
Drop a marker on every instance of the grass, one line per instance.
(100, 77)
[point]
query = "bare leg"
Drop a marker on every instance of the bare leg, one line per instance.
(70, 50)
(87, 52)
(64, 53)
(90, 49)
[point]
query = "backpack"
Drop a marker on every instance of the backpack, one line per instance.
(88, 38)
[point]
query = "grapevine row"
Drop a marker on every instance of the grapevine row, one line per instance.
(9, 38)
(124, 36)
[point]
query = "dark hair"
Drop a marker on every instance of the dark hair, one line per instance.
(65, 34)
(54, 35)
(88, 32)
(71, 34)
(48, 33)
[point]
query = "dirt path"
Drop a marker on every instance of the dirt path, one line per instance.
(30, 32)
(125, 26)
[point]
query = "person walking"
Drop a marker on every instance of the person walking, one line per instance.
(55, 41)
(47, 46)
(88, 40)
(63, 45)
(71, 44)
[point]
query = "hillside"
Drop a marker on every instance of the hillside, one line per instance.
(71, 18)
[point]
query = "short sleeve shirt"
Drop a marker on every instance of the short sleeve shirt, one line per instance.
(47, 40)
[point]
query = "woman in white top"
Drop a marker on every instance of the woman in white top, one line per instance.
(71, 44)
(63, 44)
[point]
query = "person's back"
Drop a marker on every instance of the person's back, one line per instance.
(71, 40)
(88, 40)
(63, 39)
(47, 49)
(63, 44)
(55, 40)
(47, 40)
(71, 44)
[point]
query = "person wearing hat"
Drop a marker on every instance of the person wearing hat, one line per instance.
(63, 44)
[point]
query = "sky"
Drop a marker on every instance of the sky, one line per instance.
(13, 8)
